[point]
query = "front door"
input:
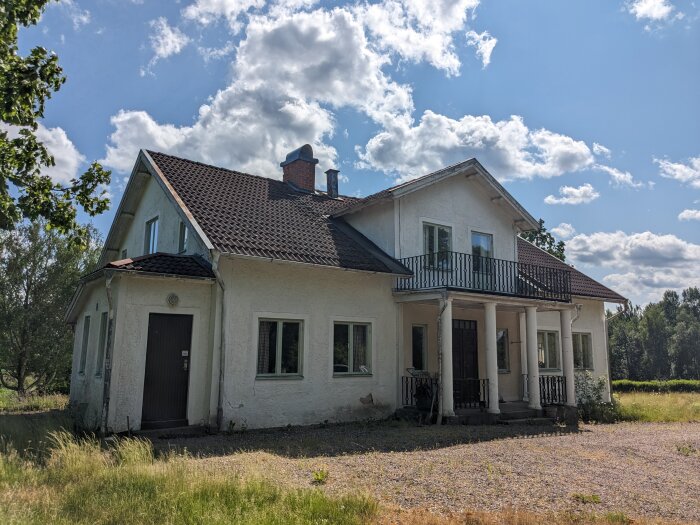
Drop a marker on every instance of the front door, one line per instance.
(167, 371)
(465, 364)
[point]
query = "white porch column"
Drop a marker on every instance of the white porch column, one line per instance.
(567, 356)
(491, 338)
(533, 369)
(522, 332)
(448, 406)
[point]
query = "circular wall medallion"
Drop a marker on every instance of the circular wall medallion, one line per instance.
(173, 299)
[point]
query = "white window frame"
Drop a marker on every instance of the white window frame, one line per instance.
(278, 350)
(351, 351)
(505, 370)
(425, 346)
(546, 350)
(434, 264)
(590, 338)
(84, 345)
(101, 344)
(182, 238)
(150, 241)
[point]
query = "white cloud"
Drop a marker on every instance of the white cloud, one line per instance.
(206, 12)
(621, 178)
(571, 195)
(564, 230)
(165, 40)
(646, 263)
(601, 151)
(216, 53)
(654, 10)
(484, 44)
(78, 16)
(689, 215)
(686, 173)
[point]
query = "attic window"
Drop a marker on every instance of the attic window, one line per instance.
(150, 244)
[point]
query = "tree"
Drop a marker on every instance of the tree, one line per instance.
(545, 240)
(684, 350)
(39, 269)
(626, 352)
(26, 83)
(655, 333)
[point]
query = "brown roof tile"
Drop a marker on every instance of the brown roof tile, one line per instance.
(165, 263)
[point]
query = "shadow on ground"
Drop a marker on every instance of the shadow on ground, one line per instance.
(28, 432)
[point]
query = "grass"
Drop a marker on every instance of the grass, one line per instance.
(10, 402)
(659, 407)
(82, 482)
(586, 498)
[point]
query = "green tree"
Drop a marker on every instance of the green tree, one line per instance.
(626, 351)
(26, 83)
(39, 269)
(684, 350)
(655, 332)
(545, 240)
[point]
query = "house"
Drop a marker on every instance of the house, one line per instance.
(224, 298)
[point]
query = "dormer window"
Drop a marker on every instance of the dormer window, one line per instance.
(182, 238)
(150, 244)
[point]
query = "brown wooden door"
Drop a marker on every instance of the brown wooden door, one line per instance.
(465, 363)
(167, 371)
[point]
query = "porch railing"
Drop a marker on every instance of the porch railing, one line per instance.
(411, 386)
(463, 271)
(471, 393)
(552, 390)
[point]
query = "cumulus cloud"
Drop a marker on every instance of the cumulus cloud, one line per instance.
(484, 44)
(165, 40)
(689, 215)
(564, 230)
(646, 263)
(655, 10)
(571, 195)
(206, 12)
(601, 151)
(686, 173)
(620, 178)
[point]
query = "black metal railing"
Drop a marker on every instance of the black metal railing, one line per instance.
(471, 393)
(419, 391)
(552, 390)
(487, 275)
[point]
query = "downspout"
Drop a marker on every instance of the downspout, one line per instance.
(443, 305)
(107, 374)
(607, 320)
(222, 346)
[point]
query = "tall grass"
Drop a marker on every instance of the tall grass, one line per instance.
(659, 407)
(81, 482)
(11, 402)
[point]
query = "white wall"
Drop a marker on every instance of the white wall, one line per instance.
(377, 224)
(317, 296)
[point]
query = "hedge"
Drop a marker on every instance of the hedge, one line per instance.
(672, 385)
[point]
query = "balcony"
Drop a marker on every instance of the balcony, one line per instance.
(462, 271)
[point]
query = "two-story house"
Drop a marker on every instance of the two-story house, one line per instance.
(226, 297)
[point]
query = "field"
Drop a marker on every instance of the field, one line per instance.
(659, 407)
(385, 472)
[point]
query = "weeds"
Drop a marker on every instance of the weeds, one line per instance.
(686, 449)
(320, 476)
(586, 498)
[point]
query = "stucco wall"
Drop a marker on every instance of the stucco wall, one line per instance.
(317, 297)
(377, 224)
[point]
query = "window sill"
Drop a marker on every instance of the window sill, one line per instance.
(335, 374)
(550, 369)
(294, 377)
(504, 371)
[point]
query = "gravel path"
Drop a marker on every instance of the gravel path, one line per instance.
(643, 470)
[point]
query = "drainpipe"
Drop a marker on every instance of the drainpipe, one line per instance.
(607, 320)
(443, 305)
(222, 346)
(107, 374)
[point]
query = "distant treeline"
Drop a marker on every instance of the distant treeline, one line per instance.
(659, 341)
(672, 385)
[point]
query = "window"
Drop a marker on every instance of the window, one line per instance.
(279, 347)
(548, 349)
(182, 239)
(150, 244)
(124, 253)
(502, 351)
(583, 352)
(419, 340)
(84, 347)
(437, 242)
(351, 348)
(482, 246)
(102, 343)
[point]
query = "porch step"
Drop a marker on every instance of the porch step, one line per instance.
(539, 421)
(518, 414)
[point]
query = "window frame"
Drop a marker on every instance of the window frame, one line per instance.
(505, 370)
(148, 238)
(424, 349)
(476, 259)
(351, 351)
(278, 374)
(124, 254)
(101, 345)
(84, 344)
(557, 340)
(432, 261)
(182, 238)
(580, 335)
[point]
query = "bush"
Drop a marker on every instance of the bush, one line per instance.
(672, 385)
(589, 398)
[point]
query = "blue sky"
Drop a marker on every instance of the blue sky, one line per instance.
(587, 110)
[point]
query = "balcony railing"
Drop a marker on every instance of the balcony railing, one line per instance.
(552, 390)
(462, 271)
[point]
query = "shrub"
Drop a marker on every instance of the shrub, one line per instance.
(319, 476)
(586, 498)
(589, 398)
(672, 385)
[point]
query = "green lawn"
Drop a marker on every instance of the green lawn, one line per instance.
(659, 407)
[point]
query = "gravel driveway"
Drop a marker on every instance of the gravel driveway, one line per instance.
(650, 470)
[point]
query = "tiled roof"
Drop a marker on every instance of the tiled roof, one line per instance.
(165, 263)
(581, 284)
(256, 216)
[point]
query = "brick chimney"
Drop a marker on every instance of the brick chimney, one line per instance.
(332, 183)
(299, 168)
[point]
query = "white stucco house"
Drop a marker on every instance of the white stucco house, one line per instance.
(224, 297)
